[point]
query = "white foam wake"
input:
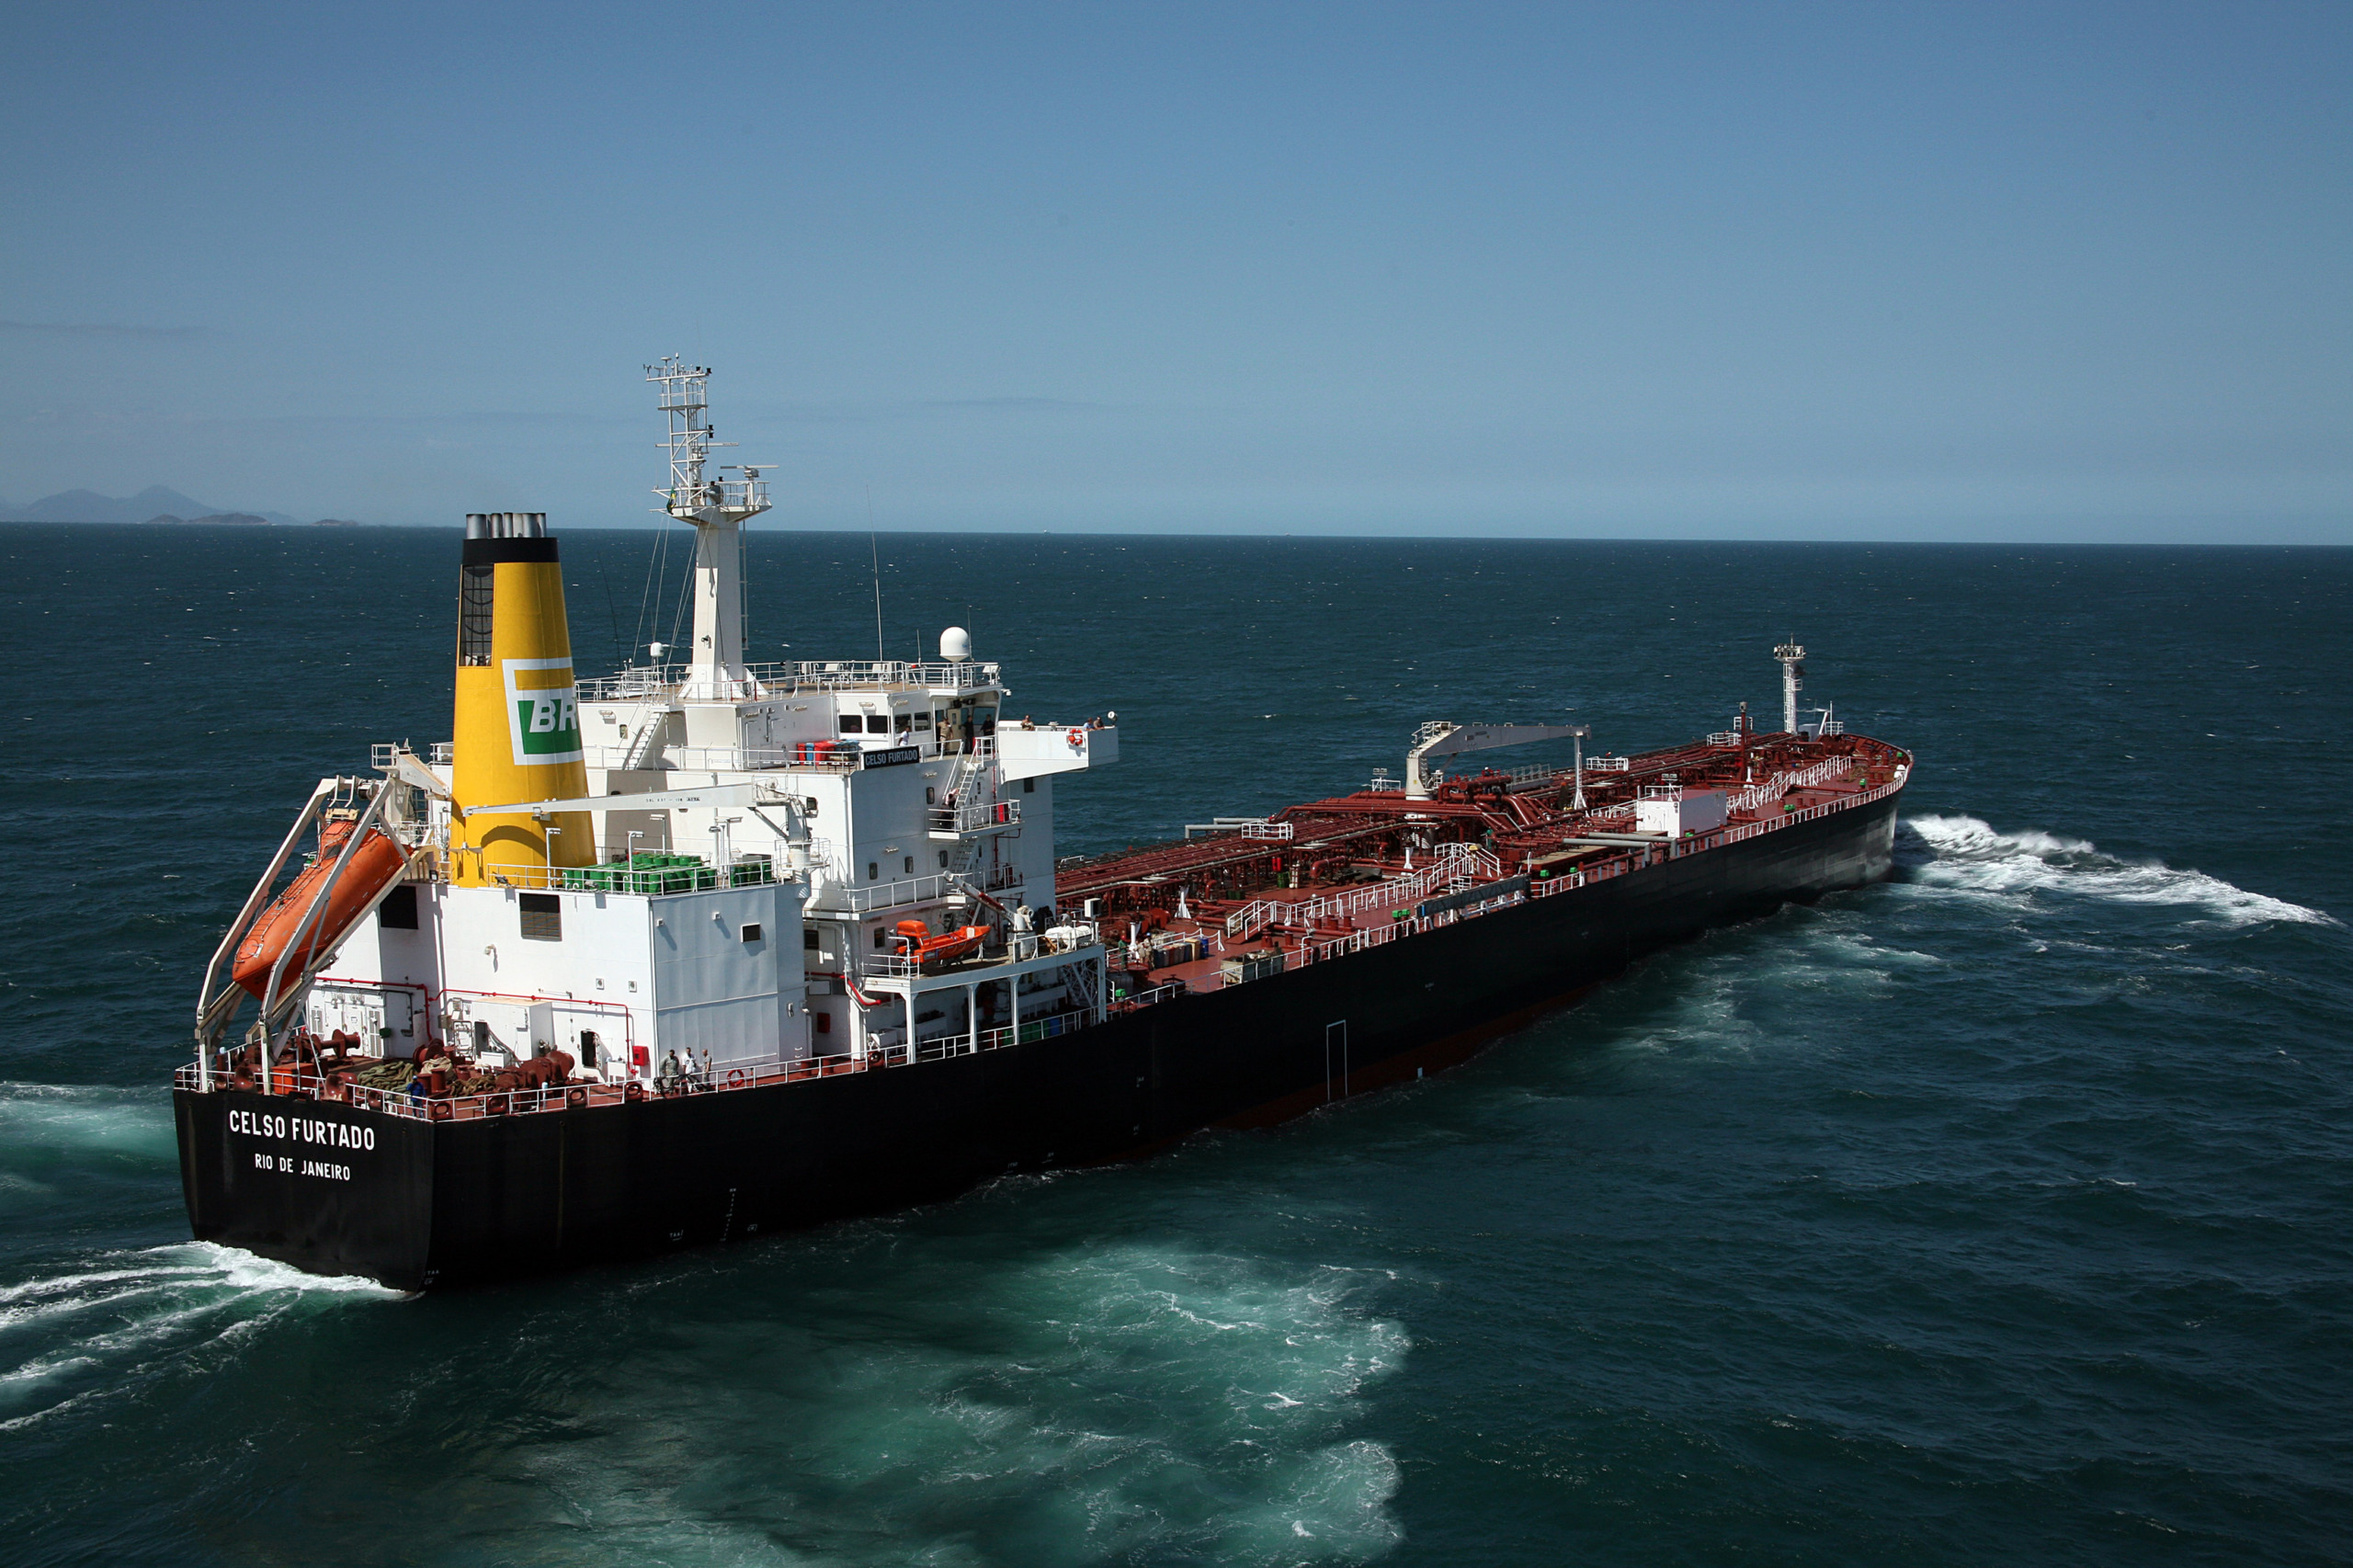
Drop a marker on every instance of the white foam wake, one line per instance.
(1967, 853)
(1123, 1401)
(69, 1338)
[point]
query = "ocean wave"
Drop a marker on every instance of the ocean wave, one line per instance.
(1258, 1364)
(1123, 1401)
(59, 1118)
(85, 1333)
(1970, 854)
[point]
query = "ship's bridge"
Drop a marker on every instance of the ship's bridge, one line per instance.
(922, 796)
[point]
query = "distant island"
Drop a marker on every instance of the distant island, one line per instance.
(155, 505)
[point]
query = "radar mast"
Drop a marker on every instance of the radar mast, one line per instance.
(717, 508)
(1793, 658)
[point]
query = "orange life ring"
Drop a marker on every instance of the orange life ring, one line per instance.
(633, 1091)
(734, 1077)
(575, 1098)
(1077, 738)
(437, 1110)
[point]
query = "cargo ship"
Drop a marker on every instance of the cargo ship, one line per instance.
(705, 948)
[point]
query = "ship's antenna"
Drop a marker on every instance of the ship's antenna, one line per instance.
(874, 544)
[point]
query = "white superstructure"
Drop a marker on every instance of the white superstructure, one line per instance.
(764, 832)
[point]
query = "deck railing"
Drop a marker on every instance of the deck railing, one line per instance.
(639, 681)
(413, 1104)
(1046, 1026)
(645, 880)
(1757, 796)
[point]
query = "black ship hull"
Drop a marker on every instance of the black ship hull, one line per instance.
(334, 1189)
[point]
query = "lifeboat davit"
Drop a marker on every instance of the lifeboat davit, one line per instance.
(948, 946)
(375, 866)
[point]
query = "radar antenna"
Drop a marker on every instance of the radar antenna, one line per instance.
(685, 398)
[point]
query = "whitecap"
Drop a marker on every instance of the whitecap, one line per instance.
(1968, 855)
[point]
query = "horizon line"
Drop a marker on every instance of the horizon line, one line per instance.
(343, 529)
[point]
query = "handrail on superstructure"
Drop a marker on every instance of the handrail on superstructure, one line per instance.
(676, 683)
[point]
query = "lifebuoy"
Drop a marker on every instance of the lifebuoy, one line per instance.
(734, 1077)
(1077, 738)
(494, 1105)
(575, 1098)
(437, 1110)
(633, 1091)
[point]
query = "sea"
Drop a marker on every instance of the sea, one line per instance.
(1999, 1213)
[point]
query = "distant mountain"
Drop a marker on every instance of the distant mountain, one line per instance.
(243, 519)
(153, 504)
(89, 507)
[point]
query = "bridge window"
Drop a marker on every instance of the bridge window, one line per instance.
(877, 724)
(851, 724)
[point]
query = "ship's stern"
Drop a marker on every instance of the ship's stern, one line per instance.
(322, 1186)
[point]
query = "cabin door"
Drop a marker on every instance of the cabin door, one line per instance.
(359, 1013)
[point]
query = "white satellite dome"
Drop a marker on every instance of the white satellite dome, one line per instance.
(955, 644)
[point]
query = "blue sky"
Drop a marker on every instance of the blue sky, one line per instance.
(2033, 272)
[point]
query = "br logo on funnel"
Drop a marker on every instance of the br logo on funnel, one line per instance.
(542, 713)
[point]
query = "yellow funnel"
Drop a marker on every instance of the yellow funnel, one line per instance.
(517, 722)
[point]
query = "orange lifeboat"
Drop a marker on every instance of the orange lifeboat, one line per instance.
(375, 866)
(925, 949)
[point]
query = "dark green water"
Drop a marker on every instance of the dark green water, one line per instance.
(1997, 1214)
